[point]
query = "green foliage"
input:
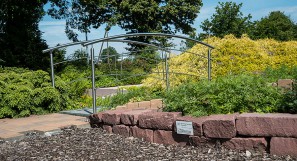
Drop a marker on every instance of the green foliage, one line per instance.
(109, 55)
(231, 56)
(229, 94)
(282, 72)
(289, 104)
(76, 80)
(276, 26)
(228, 19)
(79, 58)
(24, 92)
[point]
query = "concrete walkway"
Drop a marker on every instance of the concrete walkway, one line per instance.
(11, 129)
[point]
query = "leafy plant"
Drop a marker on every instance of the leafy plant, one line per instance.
(229, 94)
(30, 92)
(282, 72)
(231, 56)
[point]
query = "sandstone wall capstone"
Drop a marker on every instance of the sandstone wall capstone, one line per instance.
(112, 117)
(267, 125)
(220, 126)
(131, 117)
(158, 120)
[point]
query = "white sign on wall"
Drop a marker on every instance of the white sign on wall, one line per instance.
(184, 127)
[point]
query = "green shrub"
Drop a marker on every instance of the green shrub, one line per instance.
(24, 92)
(282, 72)
(229, 94)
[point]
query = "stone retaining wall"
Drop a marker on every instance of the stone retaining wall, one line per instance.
(274, 133)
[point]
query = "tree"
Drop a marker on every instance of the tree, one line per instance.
(109, 54)
(228, 19)
(276, 25)
(168, 16)
(80, 15)
(147, 58)
(20, 37)
(79, 58)
(187, 44)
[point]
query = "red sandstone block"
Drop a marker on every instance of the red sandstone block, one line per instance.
(107, 128)
(158, 120)
(259, 144)
(112, 117)
(285, 83)
(146, 134)
(156, 104)
(220, 126)
(144, 104)
(131, 117)
(283, 146)
(170, 138)
(95, 118)
(123, 107)
(201, 141)
(253, 124)
(196, 122)
(121, 130)
(132, 105)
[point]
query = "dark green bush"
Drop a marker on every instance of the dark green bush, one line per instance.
(230, 94)
(289, 104)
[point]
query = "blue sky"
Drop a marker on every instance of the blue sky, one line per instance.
(53, 30)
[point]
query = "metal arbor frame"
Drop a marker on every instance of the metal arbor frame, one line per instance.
(116, 39)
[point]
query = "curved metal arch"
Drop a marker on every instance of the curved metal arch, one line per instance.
(113, 40)
(144, 34)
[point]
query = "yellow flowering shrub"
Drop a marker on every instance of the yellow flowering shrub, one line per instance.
(231, 56)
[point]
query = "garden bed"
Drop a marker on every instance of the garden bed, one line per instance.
(96, 144)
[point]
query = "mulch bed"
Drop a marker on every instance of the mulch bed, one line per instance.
(95, 144)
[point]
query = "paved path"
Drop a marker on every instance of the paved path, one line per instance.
(11, 129)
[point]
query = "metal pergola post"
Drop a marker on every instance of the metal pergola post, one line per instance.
(209, 64)
(93, 80)
(167, 71)
(52, 69)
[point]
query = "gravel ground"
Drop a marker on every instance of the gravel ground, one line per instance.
(95, 144)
